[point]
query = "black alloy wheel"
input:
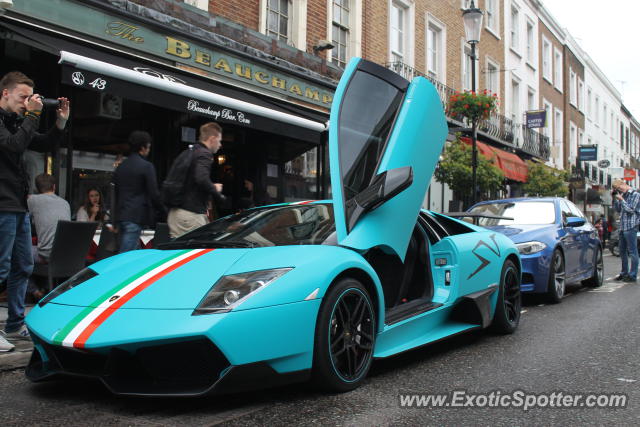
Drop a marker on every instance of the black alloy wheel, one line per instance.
(596, 280)
(345, 337)
(557, 277)
(509, 304)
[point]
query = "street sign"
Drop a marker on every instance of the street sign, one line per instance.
(629, 174)
(604, 163)
(536, 119)
(587, 153)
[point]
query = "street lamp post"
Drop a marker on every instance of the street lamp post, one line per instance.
(472, 18)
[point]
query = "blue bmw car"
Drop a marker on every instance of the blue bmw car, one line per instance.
(556, 242)
(291, 292)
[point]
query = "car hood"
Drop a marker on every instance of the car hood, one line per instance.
(524, 233)
(153, 279)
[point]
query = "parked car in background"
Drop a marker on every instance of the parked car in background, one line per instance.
(557, 244)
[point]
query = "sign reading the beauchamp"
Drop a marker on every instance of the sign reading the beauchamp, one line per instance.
(536, 119)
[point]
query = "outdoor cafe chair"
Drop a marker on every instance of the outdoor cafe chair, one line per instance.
(70, 246)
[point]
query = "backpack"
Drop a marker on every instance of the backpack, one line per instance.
(173, 187)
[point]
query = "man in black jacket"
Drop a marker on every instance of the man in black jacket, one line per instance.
(137, 195)
(20, 111)
(199, 188)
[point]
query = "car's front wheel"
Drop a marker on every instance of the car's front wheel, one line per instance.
(595, 281)
(507, 315)
(557, 276)
(345, 337)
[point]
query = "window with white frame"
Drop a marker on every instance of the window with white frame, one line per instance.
(398, 29)
(557, 129)
(340, 30)
(573, 139)
(604, 118)
(514, 28)
(589, 101)
(531, 99)
(279, 19)
(200, 4)
(466, 4)
(436, 47)
(492, 76)
(613, 131)
(548, 108)
(580, 94)
(492, 15)
(530, 42)
(515, 100)
(546, 60)
(557, 69)
(573, 95)
(596, 109)
(466, 67)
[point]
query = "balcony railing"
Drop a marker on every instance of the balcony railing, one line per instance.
(498, 127)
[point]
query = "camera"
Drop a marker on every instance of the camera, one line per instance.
(49, 102)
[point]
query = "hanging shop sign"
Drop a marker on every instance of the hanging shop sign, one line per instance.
(185, 53)
(604, 163)
(536, 119)
(587, 153)
(629, 174)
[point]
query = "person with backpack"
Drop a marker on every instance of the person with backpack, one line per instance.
(188, 187)
(627, 203)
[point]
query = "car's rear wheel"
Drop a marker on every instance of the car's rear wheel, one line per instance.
(557, 276)
(508, 307)
(595, 281)
(345, 337)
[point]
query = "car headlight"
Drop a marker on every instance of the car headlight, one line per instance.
(528, 248)
(232, 290)
(80, 277)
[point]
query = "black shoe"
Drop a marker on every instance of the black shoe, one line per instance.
(629, 279)
(620, 277)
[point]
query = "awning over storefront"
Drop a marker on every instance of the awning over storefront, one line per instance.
(120, 73)
(512, 165)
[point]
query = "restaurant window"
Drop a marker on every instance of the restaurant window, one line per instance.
(301, 175)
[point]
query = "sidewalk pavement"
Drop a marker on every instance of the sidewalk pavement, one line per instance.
(19, 357)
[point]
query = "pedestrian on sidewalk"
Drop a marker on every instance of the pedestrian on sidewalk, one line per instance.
(137, 195)
(198, 188)
(20, 111)
(627, 204)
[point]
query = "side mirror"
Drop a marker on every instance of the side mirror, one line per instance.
(574, 221)
(385, 186)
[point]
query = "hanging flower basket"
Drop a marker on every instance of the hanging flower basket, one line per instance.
(473, 106)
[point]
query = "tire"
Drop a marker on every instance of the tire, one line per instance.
(509, 304)
(615, 249)
(596, 280)
(345, 337)
(557, 276)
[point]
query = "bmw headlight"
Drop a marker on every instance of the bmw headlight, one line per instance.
(528, 248)
(230, 291)
(80, 277)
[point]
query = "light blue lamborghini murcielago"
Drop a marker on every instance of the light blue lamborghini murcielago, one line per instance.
(307, 290)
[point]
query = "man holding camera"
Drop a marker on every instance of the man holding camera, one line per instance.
(20, 111)
(627, 204)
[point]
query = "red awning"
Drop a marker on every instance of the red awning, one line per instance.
(512, 165)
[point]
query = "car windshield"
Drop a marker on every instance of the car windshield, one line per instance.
(295, 224)
(523, 213)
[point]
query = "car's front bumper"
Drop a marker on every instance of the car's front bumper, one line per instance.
(535, 272)
(143, 352)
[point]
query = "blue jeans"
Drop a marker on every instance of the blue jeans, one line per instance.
(129, 236)
(16, 263)
(629, 248)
